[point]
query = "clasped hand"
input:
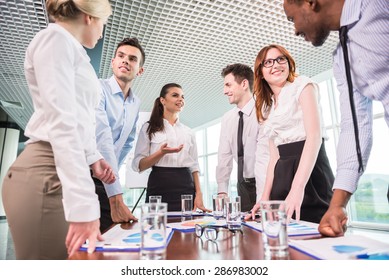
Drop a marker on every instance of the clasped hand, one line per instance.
(103, 171)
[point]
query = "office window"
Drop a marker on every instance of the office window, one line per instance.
(369, 206)
(213, 133)
(208, 137)
(200, 142)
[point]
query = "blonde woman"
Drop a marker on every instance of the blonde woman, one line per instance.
(48, 193)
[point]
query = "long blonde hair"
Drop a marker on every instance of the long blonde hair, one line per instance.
(262, 91)
(62, 10)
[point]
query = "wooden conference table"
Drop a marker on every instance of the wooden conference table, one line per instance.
(187, 246)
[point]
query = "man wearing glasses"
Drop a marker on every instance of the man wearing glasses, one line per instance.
(116, 118)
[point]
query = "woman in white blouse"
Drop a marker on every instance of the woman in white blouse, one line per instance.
(169, 148)
(48, 193)
(288, 105)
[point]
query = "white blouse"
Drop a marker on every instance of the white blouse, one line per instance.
(285, 124)
(65, 92)
(173, 135)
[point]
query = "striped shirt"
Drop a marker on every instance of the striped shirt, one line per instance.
(367, 22)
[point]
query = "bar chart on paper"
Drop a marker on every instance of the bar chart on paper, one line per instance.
(294, 228)
(121, 239)
(343, 248)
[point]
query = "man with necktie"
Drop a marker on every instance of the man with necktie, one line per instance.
(361, 71)
(241, 138)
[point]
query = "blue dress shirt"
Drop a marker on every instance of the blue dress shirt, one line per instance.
(115, 128)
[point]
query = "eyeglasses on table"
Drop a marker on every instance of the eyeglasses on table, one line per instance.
(211, 232)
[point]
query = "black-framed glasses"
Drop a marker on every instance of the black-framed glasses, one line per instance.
(270, 62)
(210, 232)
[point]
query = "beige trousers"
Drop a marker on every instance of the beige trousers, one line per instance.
(32, 198)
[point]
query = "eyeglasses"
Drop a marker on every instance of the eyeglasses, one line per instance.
(210, 232)
(270, 62)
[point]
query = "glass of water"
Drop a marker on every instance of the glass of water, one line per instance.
(153, 231)
(274, 235)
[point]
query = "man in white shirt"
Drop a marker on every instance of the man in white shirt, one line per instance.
(238, 85)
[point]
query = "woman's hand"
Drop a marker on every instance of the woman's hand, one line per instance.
(198, 203)
(170, 150)
(78, 233)
(293, 203)
(254, 210)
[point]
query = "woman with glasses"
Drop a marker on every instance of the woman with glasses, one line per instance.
(288, 105)
(169, 148)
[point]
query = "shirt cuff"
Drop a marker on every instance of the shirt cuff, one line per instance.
(194, 169)
(82, 213)
(113, 189)
(347, 180)
(92, 158)
(222, 187)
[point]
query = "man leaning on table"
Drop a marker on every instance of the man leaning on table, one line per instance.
(238, 86)
(367, 22)
(116, 118)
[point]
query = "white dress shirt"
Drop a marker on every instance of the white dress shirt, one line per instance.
(174, 136)
(65, 92)
(285, 124)
(254, 163)
(367, 21)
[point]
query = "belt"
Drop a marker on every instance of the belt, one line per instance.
(249, 180)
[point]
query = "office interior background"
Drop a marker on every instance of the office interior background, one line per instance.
(189, 42)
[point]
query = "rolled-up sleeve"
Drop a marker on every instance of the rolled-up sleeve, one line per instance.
(142, 148)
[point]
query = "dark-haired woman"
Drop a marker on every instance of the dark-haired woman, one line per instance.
(169, 148)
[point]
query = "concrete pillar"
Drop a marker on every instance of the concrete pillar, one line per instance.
(9, 142)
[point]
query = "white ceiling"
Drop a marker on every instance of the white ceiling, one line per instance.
(186, 41)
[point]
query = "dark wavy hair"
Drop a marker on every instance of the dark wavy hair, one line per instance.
(262, 91)
(135, 43)
(241, 72)
(156, 118)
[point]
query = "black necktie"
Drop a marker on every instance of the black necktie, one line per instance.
(343, 43)
(240, 147)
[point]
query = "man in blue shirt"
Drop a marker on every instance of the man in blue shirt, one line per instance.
(116, 118)
(368, 37)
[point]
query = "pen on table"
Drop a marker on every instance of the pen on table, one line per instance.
(373, 255)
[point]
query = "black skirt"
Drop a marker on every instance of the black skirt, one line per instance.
(170, 183)
(318, 191)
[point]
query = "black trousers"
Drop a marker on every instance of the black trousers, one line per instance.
(248, 193)
(318, 191)
(170, 183)
(105, 208)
